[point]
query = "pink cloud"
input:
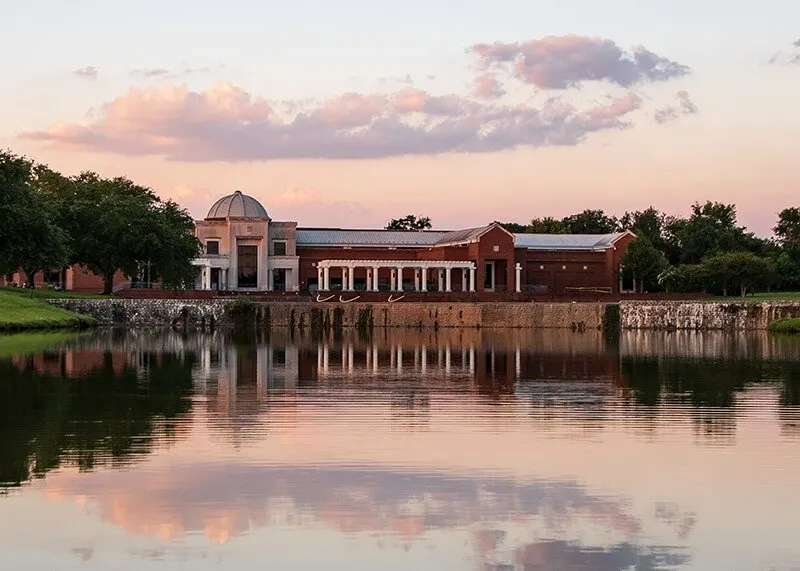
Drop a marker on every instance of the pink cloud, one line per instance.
(560, 62)
(227, 123)
(487, 86)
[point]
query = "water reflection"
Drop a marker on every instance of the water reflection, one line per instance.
(513, 450)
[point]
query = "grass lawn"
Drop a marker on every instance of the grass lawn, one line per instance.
(45, 293)
(18, 311)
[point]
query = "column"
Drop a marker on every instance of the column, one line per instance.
(464, 284)
(424, 279)
(440, 279)
(399, 278)
(319, 357)
(345, 280)
(447, 273)
(351, 278)
(472, 279)
(375, 358)
(326, 278)
(517, 362)
(325, 357)
(518, 283)
(320, 279)
(207, 277)
(471, 358)
(270, 280)
(424, 356)
(225, 279)
(447, 359)
(375, 275)
(369, 280)
(416, 279)
(399, 358)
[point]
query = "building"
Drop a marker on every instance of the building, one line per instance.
(245, 250)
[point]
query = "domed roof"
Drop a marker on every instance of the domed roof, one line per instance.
(237, 205)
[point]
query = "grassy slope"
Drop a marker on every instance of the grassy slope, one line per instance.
(45, 293)
(788, 325)
(19, 311)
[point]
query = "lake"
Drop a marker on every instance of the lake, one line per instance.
(436, 450)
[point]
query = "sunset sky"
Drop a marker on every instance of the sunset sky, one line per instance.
(350, 113)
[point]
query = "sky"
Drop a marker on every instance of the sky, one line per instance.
(351, 113)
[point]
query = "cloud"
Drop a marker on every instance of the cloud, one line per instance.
(796, 43)
(487, 86)
(160, 72)
(561, 62)
(684, 106)
(314, 208)
(793, 57)
(227, 123)
(88, 72)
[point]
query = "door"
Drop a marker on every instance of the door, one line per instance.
(215, 285)
(488, 277)
(279, 280)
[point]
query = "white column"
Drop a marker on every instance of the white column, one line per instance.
(464, 284)
(471, 358)
(326, 278)
(518, 270)
(440, 279)
(447, 359)
(375, 278)
(270, 280)
(375, 358)
(517, 362)
(351, 278)
(369, 279)
(399, 279)
(424, 356)
(416, 279)
(424, 279)
(472, 279)
(325, 357)
(399, 361)
(447, 273)
(320, 279)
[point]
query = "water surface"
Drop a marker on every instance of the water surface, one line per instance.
(448, 450)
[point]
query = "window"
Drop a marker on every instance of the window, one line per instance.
(279, 247)
(212, 247)
(563, 267)
(248, 266)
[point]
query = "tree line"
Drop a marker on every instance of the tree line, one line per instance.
(707, 251)
(49, 222)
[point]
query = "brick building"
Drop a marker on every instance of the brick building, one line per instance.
(246, 250)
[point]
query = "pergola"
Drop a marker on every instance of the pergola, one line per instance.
(420, 267)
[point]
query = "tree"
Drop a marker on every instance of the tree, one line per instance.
(743, 270)
(410, 222)
(513, 227)
(117, 225)
(547, 225)
(711, 229)
(788, 229)
(591, 222)
(648, 223)
(29, 237)
(644, 263)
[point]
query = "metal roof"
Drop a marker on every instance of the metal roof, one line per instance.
(237, 205)
(385, 238)
(340, 237)
(566, 241)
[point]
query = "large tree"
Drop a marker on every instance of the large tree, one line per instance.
(547, 225)
(409, 222)
(711, 229)
(788, 229)
(117, 225)
(644, 263)
(591, 222)
(29, 235)
(742, 270)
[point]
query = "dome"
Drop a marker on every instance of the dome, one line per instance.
(237, 205)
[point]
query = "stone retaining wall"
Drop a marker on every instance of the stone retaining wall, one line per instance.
(166, 312)
(716, 315)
